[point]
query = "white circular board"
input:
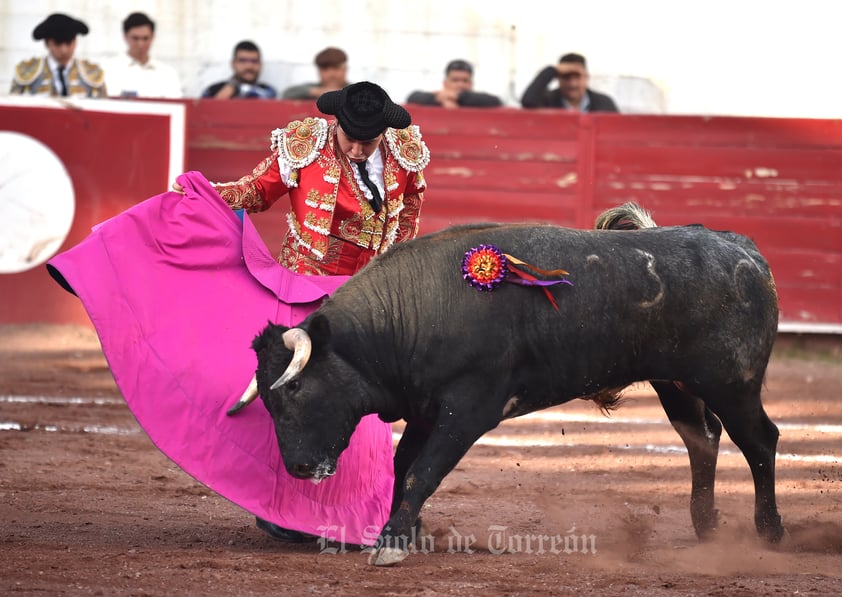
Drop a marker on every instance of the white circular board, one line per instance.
(36, 203)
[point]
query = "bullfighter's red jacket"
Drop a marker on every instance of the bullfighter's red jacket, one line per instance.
(329, 208)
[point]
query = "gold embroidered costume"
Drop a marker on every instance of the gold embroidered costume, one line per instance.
(34, 77)
(331, 224)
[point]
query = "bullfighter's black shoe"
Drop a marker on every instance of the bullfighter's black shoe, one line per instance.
(279, 533)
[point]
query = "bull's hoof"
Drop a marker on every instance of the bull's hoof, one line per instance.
(774, 535)
(706, 526)
(772, 531)
(387, 556)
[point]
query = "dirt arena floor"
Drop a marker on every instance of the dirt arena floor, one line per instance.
(88, 506)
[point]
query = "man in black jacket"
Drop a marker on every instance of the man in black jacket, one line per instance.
(244, 83)
(572, 92)
(457, 90)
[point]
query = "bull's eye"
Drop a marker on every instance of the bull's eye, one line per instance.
(293, 385)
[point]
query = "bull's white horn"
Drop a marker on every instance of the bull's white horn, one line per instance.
(247, 398)
(298, 341)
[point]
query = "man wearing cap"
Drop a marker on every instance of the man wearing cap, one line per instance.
(332, 64)
(355, 186)
(457, 90)
(59, 73)
(572, 92)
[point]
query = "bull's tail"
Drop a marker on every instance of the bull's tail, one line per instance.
(629, 216)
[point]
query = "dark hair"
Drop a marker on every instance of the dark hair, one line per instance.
(246, 45)
(331, 57)
(572, 57)
(459, 65)
(137, 19)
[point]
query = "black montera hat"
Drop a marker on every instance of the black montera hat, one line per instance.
(59, 27)
(363, 110)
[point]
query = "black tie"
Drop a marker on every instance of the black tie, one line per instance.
(376, 200)
(63, 82)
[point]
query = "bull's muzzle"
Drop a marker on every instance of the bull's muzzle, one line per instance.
(296, 340)
(316, 473)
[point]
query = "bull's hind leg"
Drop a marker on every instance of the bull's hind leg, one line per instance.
(741, 412)
(700, 430)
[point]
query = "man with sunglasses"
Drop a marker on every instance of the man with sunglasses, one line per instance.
(244, 83)
(572, 92)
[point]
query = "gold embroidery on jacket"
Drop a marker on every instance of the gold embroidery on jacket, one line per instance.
(300, 143)
(408, 148)
(27, 70)
(243, 194)
(34, 77)
(90, 73)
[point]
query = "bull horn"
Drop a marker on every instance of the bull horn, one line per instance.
(247, 398)
(298, 341)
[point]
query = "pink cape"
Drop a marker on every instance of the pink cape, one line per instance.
(177, 288)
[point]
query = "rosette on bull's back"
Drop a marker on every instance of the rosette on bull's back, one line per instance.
(486, 267)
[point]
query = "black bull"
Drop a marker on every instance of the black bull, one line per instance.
(690, 310)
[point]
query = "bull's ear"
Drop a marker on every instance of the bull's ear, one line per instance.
(265, 338)
(319, 331)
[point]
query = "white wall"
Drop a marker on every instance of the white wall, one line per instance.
(729, 57)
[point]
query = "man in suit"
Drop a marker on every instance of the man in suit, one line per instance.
(572, 92)
(59, 73)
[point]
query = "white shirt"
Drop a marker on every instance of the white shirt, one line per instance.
(374, 167)
(53, 65)
(126, 77)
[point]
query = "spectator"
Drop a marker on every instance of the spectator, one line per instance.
(572, 92)
(244, 82)
(136, 74)
(457, 90)
(332, 64)
(59, 73)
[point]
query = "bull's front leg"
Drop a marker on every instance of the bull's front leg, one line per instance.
(413, 438)
(449, 440)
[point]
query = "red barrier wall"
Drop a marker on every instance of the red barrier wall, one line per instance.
(778, 181)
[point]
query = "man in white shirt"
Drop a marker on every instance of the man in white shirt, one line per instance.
(136, 74)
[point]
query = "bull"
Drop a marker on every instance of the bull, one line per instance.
(690, 310)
